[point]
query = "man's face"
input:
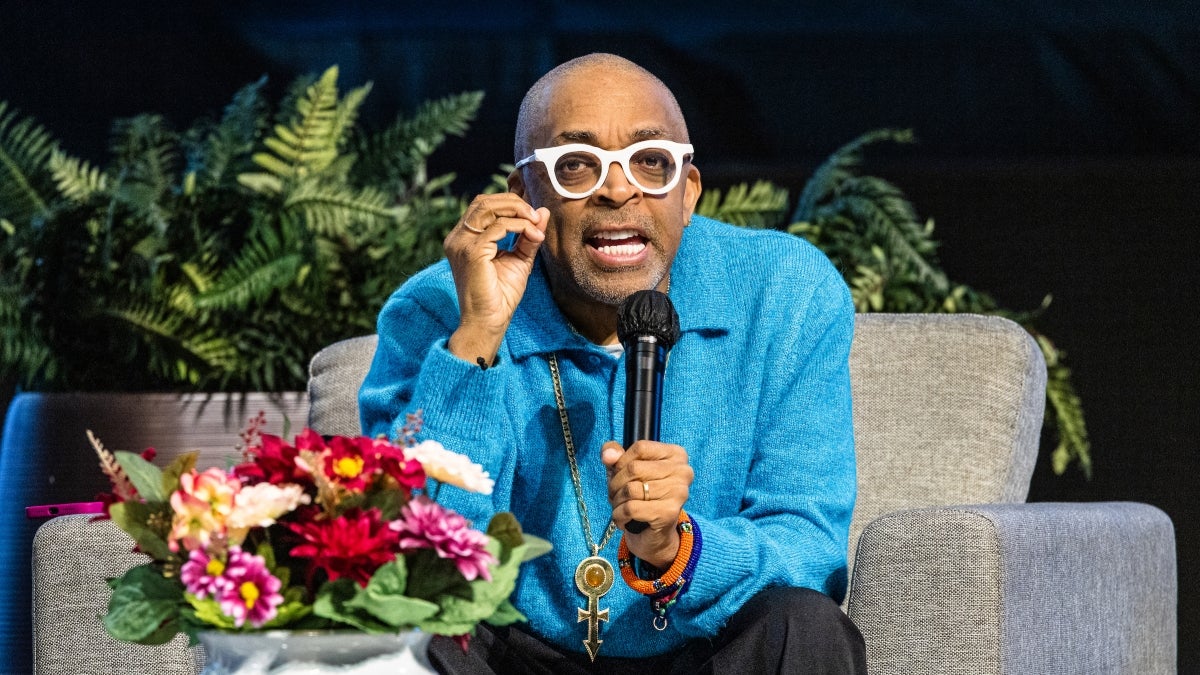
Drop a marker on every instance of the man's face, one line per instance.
(618, 240)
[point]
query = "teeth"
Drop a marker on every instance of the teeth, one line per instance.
(617, 234)
(622, 250)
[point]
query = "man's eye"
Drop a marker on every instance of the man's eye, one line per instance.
(651, 160)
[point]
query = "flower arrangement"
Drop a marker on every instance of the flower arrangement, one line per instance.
(322, 533)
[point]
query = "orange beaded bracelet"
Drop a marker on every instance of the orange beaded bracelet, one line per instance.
(671, 577)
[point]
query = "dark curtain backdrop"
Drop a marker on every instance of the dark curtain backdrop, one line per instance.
(1059, 145)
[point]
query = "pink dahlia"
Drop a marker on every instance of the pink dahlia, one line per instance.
(203, 575)
(252, 593)
(424, 523)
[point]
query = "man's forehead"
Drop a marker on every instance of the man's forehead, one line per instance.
(583, 135)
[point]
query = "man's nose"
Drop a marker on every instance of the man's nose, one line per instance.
(617, 188)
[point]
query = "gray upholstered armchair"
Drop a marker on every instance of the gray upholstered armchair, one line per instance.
(951, 572)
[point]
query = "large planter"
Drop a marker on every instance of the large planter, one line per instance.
(45, 458)
(316, 653)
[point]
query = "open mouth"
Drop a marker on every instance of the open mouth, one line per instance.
(618, 243)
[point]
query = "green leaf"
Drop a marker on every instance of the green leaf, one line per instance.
(147, 478)
(132, 518)
(180, 465)
(144, 607)
(505, 614)
(384, 598)
(505, 527)
(333, 603)
(459, 613)
(534, 547)
(208, 611)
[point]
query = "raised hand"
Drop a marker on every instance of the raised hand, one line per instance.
(491, 281)
(648, 482)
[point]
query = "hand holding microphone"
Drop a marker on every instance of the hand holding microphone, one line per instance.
(649, 480)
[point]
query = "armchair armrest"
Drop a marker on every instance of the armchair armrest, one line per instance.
(1018, 588)
(73, 557)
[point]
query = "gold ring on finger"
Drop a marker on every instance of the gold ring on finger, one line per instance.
(468, 226)
(646, 491)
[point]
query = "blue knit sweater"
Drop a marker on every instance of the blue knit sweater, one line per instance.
(757, 390)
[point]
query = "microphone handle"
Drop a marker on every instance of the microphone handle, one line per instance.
(645, 363)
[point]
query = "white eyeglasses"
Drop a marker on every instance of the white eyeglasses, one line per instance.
(577, 170)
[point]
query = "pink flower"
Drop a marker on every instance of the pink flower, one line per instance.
(424, 523)
(202, 505)
(203, 575)
(251, 592)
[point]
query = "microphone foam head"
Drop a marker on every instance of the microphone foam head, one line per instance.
(648, 313)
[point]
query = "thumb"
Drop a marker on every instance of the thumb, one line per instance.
(610, 453)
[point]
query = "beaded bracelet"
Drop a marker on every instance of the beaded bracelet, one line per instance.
(665, 590)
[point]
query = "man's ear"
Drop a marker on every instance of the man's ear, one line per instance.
(516, 184)
(691, 192)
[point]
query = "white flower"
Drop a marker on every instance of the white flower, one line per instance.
(450, 467)
(259, 505)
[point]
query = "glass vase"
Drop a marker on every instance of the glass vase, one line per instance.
(315, 653)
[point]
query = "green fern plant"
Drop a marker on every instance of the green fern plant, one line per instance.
(888, 256)
(217, 258)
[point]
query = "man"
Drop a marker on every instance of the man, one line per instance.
(509, 348)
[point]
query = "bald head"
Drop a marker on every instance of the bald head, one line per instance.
(532, 115)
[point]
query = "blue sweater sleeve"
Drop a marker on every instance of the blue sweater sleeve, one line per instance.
(792, 528)
(459, 403)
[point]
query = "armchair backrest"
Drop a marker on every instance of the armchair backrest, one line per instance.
(947, 408)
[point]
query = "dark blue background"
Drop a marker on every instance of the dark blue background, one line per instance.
(1059, 145)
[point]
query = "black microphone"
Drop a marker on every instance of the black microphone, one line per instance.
(647, 326)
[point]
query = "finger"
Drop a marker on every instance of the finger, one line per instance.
(640, 463)
(673, 488)
(610, 453)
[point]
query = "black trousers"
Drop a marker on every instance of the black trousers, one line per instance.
(780, 630)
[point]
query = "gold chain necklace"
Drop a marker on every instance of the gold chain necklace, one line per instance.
(594, 575)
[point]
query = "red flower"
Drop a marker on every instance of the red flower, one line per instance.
(274, 461)
(392, 461)
(350, 463)
(352, 545)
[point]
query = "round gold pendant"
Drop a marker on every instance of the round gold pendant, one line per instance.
(594, 576)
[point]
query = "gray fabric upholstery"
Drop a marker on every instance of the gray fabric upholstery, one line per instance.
(1012, 589)
(947, 410)
(72, 558)
(334, 377)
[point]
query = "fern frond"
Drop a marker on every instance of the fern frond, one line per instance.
(77, 180)
(347, 113)
(146, 152)
(1068, 421)
(308, 143)
(122, 486)
(397, 153)
(759, 206)
(227, 146)
(262, 267)
(24, 149)
(334, 211)
(183, 351)
(839, 167)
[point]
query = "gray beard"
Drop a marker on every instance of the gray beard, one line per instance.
(590, 283)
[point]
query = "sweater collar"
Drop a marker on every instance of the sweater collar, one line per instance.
(700, 293)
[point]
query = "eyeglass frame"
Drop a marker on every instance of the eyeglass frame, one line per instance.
(680, 153)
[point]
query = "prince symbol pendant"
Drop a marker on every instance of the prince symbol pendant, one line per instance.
(593, 578)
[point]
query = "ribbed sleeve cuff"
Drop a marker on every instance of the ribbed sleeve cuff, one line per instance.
(725, 562)
(459, 398)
